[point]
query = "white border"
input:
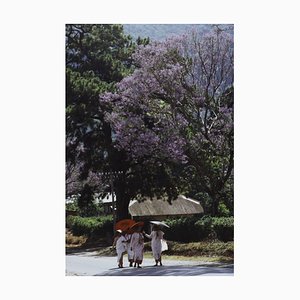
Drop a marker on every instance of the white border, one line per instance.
(266, 148)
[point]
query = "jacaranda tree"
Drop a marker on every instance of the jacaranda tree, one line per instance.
(176, 110)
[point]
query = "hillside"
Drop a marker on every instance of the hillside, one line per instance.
(162, 31)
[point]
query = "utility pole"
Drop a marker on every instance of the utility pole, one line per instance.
(113, 199)
(111, 175)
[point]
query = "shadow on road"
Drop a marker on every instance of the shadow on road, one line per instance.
(171, 271)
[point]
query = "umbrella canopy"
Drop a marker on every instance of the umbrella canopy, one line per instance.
(136, 225)
(158, 223)
(124, 224)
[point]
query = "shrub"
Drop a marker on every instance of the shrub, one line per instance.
(70, 221)
(182, 229)
(204, 227)
(192, 229)
(223, 210)
(224, 228)
(105, 224)
(90, 226)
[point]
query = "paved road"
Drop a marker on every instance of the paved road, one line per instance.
(89, 264)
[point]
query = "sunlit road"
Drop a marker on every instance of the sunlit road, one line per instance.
(88, 264)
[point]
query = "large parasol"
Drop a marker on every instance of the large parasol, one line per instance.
(136, 225)
(161, 224)
(124, 224)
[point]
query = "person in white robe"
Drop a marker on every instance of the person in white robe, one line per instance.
(137, 246)
(156, 237)
(120, 245)
(128, 249)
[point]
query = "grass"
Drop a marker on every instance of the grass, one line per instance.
(207, 248)
(208, 251)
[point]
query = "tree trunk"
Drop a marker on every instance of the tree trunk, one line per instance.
(122, 202)
(215, 204)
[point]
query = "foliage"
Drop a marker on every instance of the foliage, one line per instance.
(204, 228)
(72, 206)
(223, 210)
(224, 228)
(97, 56)
(85, 207)
(90, 226)
(172, 117)
(177, 108)
(101, 48)
(182, 229)
(189, 229)
(220, 228)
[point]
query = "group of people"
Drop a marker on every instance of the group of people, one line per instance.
(133, 244)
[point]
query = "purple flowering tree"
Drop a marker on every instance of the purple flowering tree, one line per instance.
(177, 107)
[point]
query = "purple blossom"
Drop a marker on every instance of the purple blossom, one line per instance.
(160, 110)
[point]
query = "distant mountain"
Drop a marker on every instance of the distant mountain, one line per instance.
(162, 31)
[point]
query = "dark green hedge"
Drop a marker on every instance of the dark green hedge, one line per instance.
(195, 229)
(188, 229)
(90, 226)
(223, 228)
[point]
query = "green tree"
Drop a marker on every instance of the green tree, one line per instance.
(97, 57)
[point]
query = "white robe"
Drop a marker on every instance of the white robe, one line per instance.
(137, 245)
(156, 243)
(120, 246)
(128, 248)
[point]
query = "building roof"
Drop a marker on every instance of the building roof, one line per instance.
(108, 198)
(161, 207)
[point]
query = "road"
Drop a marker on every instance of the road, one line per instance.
(89, 264)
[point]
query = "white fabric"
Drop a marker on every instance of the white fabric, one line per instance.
(119, 256)
(164, 245)
(156, 242)
(121, 244)
(137, 245)
(128, 249)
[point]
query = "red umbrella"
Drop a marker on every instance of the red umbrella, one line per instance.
(124, 224)
(136, 225)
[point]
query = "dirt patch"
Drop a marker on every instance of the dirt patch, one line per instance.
(83, 243)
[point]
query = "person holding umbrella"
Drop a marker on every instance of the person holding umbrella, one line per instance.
(120, 245)
(156, 237)
(137, 244)
(124, 225)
